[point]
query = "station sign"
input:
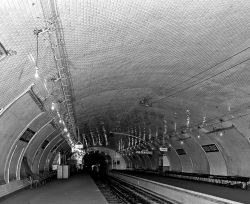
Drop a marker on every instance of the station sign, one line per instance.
(210, 148)
(79, 146)
(181, 152)
(144, 152)
(163, 149)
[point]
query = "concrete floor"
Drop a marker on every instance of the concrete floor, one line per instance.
(234, 194)
(78, 189)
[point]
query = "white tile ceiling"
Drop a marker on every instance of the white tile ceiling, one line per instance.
(120, 51)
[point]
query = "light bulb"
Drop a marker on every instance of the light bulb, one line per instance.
(53, 106)
(182, 142)
(198, 136)
(36, 73)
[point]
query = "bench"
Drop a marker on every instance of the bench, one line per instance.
(41, 179)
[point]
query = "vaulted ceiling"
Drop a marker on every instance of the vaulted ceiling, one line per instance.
(132, 62)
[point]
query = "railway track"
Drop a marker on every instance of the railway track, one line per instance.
(120, 192)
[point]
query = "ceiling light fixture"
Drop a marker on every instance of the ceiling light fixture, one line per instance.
(36, 73)
(53, 106)
(30, 56)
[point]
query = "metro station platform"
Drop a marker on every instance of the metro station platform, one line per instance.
(234, 194)
(77, 189)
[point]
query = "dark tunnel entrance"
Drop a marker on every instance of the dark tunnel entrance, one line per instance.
(97, 163)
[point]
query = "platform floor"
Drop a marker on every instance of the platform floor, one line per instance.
(78, 189)
(233, 194)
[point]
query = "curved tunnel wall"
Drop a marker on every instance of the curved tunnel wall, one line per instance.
(231, 159)
(21, 117)
(52, 153)
(12, 123)
(35, 149)
(197, 156)
(186, 162)
(175, 162)
(236, 151)
(217, 164)
(44, 156)
(37, 125)
(24, 113)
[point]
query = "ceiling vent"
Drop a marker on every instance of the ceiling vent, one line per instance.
(3, 52)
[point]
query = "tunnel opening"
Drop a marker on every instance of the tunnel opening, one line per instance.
(97, 163)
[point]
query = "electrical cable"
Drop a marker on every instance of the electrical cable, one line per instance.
(204, 71)
(206, 79)
(37, 49)
(201, 81)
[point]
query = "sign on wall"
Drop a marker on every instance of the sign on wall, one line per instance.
(163, 149)
(27, 135)
(144, 152)
(210, 148)
(165, 160)
(79, 146)
(45, 143)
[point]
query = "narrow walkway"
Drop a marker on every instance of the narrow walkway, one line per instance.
(78, 189)
(233, 194)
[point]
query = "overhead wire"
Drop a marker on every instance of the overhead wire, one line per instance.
(206, 79)
(203, 80)
(37, 49)
(204, 71)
